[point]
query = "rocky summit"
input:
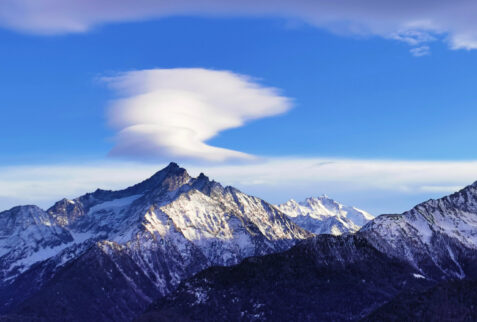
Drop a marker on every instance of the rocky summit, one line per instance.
(108, 254)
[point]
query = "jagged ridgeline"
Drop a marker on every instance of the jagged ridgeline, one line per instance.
(417, 266)
(174, 247)
(108, 254)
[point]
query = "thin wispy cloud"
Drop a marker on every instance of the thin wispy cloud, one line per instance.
(169, 114)
(420, 51)
(415, 22)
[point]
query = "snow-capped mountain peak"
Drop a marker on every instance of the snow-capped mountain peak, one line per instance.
(161, 230)
(325, 215)
(130, 246)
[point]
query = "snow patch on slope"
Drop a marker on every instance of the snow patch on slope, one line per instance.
(114, 205)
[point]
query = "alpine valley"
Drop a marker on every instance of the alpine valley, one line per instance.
(179, 248)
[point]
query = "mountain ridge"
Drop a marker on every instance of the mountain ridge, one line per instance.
(391, 256)
(193, 243)
(166, 228)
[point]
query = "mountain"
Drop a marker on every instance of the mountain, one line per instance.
(189, 248)
(323, 215)
(347, 277)
(106, 255)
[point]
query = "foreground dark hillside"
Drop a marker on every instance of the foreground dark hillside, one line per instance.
(326, 278)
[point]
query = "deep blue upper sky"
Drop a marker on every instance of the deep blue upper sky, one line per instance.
(353, 97)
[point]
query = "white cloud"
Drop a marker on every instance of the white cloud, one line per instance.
(171, 113)
(413, 37)
(412, 21)
(376, 185)
(44, 184)
(420, 51)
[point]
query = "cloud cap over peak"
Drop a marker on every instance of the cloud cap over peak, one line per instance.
(171, 113)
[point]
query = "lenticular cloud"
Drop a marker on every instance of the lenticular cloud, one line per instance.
(171, 113)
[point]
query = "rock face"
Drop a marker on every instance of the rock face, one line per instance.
(347, 277)
(323, 215)
(439, 237)
(122, 249)
(28, 235)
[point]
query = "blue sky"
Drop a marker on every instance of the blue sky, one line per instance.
(351, 97)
